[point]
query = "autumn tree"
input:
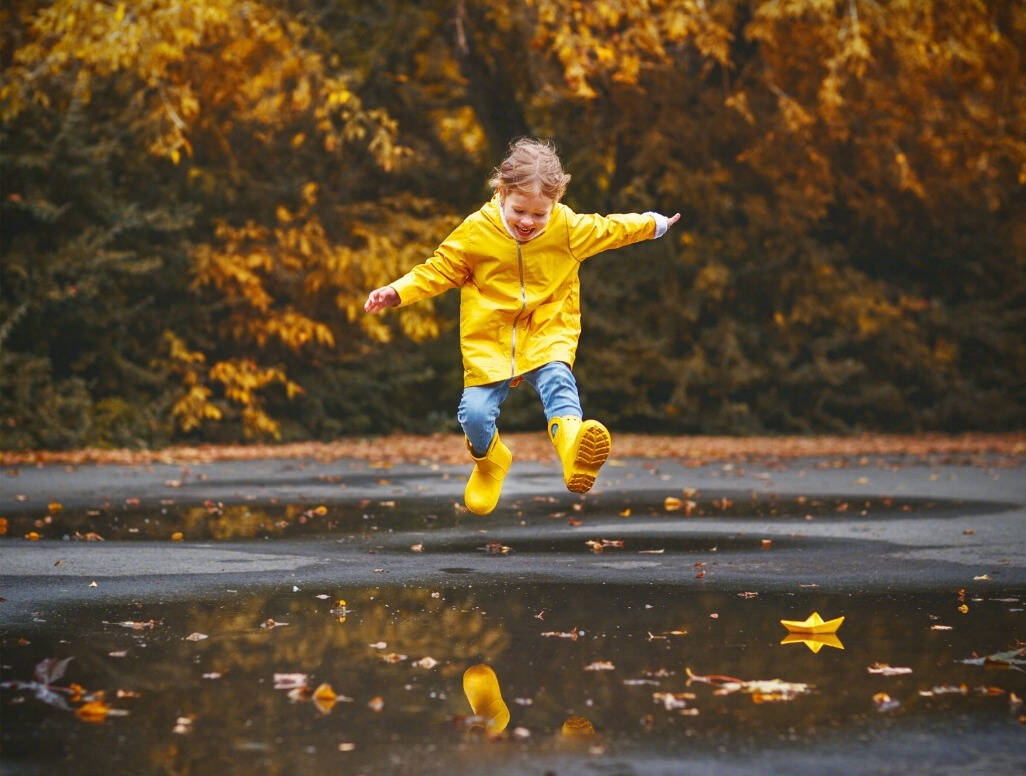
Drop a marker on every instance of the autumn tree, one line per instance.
(210, 147)
(197, 197)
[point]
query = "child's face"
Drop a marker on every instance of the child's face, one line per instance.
(526, 213)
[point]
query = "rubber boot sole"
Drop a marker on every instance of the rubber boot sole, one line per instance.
(593, 446)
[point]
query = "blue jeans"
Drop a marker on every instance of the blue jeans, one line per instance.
(479, 406)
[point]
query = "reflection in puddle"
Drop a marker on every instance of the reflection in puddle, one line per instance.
(274, 680)
(814, 641)
(369, 518)
(481, 686)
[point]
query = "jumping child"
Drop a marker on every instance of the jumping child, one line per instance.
(515, 262)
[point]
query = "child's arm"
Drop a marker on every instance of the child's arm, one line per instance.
(591, 234)
(445, 269)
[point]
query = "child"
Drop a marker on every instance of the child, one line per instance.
(515, 262)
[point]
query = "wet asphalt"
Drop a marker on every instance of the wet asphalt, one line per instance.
(948, 525)
(872, 525)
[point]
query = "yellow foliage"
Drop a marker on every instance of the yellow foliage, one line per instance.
(618, 39)
(194, 407)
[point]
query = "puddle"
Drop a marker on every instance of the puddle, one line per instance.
(214, 521)
(593, 677)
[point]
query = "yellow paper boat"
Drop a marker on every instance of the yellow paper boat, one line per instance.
(814, 641)
(813, 624)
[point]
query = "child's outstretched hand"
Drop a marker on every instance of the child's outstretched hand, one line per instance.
(672, 220)
(380, 298)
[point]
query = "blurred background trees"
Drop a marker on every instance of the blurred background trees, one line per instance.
(197, 196)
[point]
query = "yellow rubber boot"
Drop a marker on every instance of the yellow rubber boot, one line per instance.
(485, 483)
(583, 446)
(481, 686)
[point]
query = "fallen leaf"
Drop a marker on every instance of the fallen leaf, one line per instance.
(571, 634)
(176, 536)
(93, 711)
(55, 506)
(182, 726)
(981, 578)
(767, 543)
(325, 693)
(378, 645)
(672, 701)
(417, 548)
(346, 746)
(118, 653)
(289, 681)
(940, 627)
(196, 637)
(600, 665)
(426, 662)
(747, 594)
(1013, 658)
(885, 670)
(885, 702)
(393, 657)
(132, 625)
(377, 703)
(51, 669)
(651, 552)
(761, 690)
(626, 512)
(672, 504)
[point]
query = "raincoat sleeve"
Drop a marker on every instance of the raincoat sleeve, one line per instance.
(447, 268)
(591, 233)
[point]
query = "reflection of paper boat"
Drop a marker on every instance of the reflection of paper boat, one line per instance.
(814, 641)
(813, 624)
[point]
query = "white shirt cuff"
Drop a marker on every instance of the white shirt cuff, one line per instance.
(661, 221)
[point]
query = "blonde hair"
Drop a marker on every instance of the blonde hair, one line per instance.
(531, 166)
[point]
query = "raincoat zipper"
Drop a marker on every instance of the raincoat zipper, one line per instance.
(523, 306)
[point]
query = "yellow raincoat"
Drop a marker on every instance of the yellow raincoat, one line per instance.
(519, 302)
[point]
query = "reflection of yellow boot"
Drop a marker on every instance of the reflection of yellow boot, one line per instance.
(485, 483)
(481, 686)
(583, 446)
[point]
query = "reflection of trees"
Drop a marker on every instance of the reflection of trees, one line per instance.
(231, 522)
(217, 521)
(241, 707)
